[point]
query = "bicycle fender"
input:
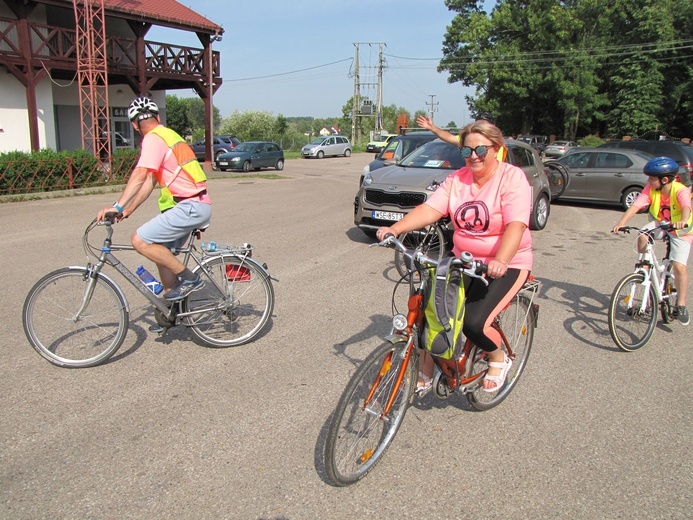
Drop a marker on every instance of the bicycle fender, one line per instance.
(395, 338)
(106, 277)
(248, 260)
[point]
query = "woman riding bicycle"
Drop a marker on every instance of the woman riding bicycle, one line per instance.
(489, 203)
(669, 201)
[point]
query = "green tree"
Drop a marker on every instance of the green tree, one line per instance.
(251, 125)
(571, 67)
(177, 116)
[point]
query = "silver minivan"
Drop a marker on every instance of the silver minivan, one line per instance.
(327, 146)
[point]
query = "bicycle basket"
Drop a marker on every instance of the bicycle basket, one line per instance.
(444, 311)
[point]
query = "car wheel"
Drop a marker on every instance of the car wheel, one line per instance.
(347, 153)
(280, 165)
(540, 213)
(320, 154)
(246, 166)
(629, 197)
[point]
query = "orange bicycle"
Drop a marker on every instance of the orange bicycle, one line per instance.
(376, 399)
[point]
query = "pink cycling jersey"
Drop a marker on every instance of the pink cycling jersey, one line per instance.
(481, 215)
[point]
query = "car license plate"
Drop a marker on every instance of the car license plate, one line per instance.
(223, 163)
(387, 215)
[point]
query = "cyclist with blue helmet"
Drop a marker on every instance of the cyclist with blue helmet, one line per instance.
(668, 200)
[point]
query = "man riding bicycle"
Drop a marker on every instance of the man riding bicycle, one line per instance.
(669, 201)
(165, 159)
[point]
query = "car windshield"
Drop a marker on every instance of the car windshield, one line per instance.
(317, 140)
(436, 154)
(560, 143)
(379, 138)
(245, 147)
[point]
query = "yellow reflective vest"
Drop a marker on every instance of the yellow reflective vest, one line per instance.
(187, 162)
(675, 208)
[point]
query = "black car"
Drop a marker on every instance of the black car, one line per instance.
(397, 148)
(680, 152)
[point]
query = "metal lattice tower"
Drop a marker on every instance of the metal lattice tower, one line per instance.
(92, 76)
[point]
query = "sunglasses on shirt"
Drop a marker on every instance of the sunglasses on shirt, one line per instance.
(480, 151)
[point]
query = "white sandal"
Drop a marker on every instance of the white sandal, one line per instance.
(424, 385)
(500, 378)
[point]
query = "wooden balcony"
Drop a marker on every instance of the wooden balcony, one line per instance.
(54, 48)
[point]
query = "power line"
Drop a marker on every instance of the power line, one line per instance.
(291, 72)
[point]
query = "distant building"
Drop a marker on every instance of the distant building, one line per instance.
(333, 130)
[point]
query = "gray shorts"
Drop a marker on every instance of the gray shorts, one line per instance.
(679, 249)
(172, 228)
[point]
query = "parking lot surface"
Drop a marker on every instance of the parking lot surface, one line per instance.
(171, 429)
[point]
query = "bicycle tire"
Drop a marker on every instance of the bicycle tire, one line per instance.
(631, 330)
(239, 313)
(47, 317)
(517, 321)
(558, 178)
(434, 245)
(357, 438)
(669, 304)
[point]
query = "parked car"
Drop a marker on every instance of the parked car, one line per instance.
(603, 175)
(558, 149)
(326, 146)
(680, 152)
(538, 142)
(252, 155)
(379, 142)
(389, 193)
(397, 148)
(220, 144)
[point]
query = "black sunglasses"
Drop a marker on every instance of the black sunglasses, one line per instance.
(480, 151)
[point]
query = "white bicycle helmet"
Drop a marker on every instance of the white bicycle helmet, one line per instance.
(142, 108)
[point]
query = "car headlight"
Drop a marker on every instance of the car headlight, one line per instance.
(235, 159)
(367, 179)
(367, 169)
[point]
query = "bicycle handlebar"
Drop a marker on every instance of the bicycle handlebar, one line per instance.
(665, 226)
(465, 263)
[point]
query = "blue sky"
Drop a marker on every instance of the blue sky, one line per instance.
(266, 40)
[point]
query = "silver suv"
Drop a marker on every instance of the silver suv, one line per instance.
(330, 145)
(389, 193)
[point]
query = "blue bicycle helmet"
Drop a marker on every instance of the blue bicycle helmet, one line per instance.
(661, 167)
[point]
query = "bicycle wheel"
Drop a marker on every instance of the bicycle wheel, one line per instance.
(517, 322)
(669, 303)
(234, 305)
(631, 327)
(432, 240)
(49, 320)
(358, 438)
(558, 178)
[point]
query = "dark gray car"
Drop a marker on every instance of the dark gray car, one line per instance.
(605, 175)
(389, 193)
(252, 155)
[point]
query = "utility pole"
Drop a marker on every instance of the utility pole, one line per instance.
(358, 105)
(379, 108)
(356, 102)
(433, 106)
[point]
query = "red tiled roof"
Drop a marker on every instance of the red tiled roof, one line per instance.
(161, 12)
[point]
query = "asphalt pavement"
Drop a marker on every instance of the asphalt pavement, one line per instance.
(171, 429)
